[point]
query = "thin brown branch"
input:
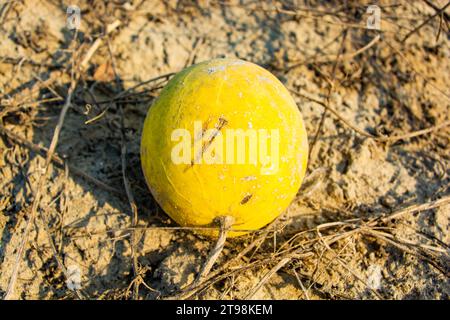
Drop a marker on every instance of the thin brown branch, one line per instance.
(330, 88)
(416, 29)
(57, 160)
(225, 224)
(75, 76)
(36, 201)
(364, 133)
(133, 206)
(266, 277)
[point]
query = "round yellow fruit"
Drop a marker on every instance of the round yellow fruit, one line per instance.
(224, 138)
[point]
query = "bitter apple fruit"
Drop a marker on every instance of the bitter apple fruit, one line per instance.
(224, 138)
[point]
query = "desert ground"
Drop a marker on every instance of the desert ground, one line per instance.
(371, 220)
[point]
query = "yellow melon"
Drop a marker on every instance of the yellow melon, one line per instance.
(224, 138)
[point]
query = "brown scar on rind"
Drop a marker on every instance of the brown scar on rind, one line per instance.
(222, 123)
(246, 198)
(204, 128)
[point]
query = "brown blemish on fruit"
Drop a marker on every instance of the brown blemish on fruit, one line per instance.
(222, 123)
(246, 198)
(219, 125)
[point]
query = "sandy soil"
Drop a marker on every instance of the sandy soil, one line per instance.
(388, 88)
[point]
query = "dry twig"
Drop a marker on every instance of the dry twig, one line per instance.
(75, 76)
(364, 133)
